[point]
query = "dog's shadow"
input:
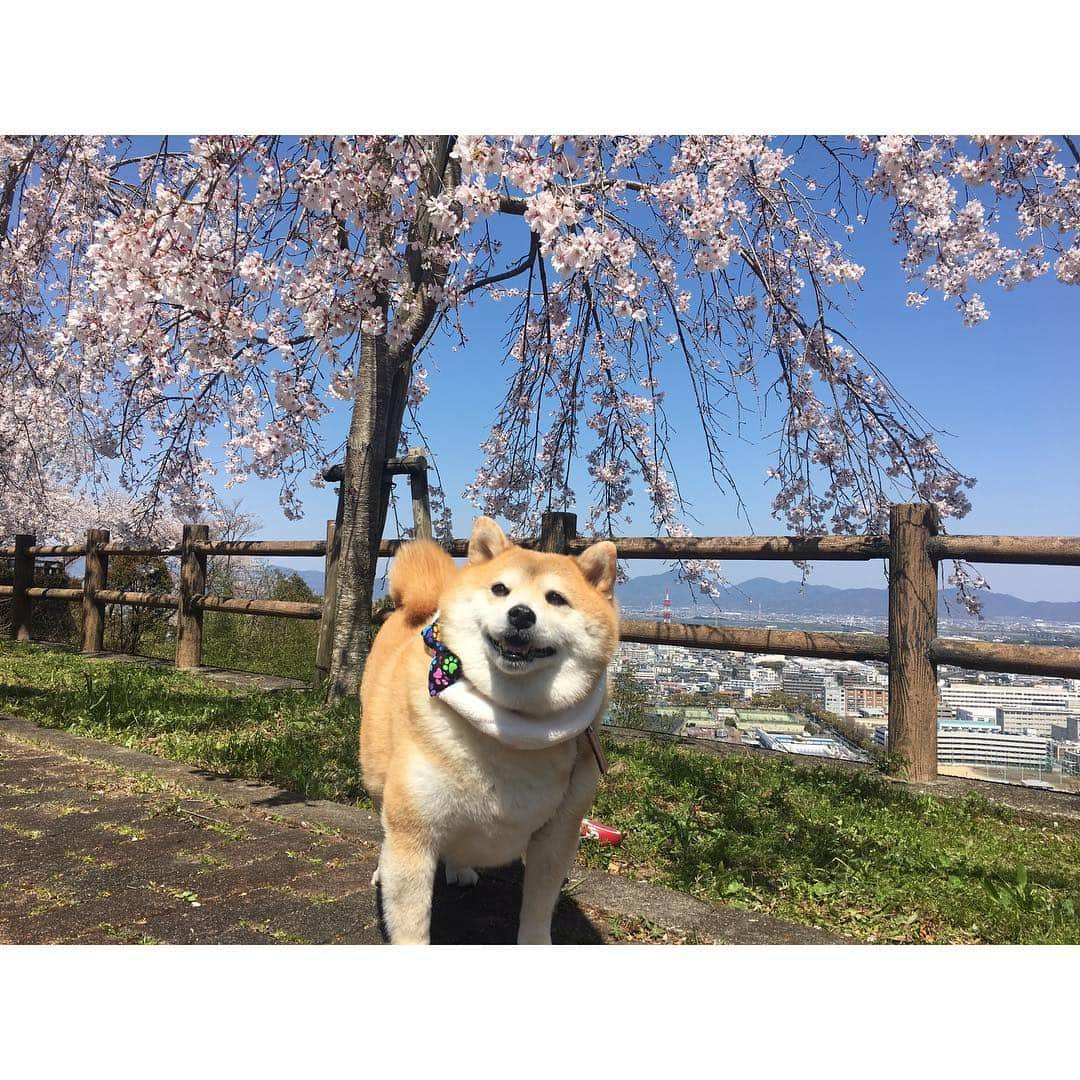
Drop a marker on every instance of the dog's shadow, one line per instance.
(487, 913)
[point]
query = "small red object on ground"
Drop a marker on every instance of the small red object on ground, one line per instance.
(605, 834)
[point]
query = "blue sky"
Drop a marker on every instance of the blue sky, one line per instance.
(1005, 391)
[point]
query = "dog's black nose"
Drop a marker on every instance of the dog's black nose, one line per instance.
(521, 617)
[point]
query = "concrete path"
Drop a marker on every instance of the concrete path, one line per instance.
(99, 844)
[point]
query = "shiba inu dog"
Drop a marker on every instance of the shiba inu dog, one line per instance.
(479, 703)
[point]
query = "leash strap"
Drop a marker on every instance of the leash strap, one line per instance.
(597, 749)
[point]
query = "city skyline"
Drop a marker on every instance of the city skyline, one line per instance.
(1013, 728)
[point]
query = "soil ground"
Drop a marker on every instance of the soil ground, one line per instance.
(104, 845)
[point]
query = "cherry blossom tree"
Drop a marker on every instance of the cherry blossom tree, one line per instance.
(54, 441)
(227, 289)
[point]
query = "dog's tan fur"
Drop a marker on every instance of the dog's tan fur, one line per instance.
(445, 789)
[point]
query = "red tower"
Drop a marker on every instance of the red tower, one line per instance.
(667, 607)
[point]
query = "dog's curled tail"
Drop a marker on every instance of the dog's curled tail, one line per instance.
(419, 573)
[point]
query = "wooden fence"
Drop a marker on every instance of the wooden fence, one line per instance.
(912, 647)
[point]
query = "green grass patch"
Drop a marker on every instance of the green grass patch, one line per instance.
(24, 834)
(844, 850)
(261, 644)
(289, 738)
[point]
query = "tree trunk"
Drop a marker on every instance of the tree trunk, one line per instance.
(363, 496)
(378, 413)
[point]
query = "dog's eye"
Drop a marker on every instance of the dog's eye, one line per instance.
(499, 589)
(556, 599)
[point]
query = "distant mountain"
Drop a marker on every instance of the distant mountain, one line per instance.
(765, 596)
(314, 579)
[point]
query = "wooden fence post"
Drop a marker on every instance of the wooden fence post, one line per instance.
(95, 577)
(913, 692)
(22, 578)
(415, 464)
(192, 583)
(421, 504)
(325, 646)
(556, 530)
(329, 602)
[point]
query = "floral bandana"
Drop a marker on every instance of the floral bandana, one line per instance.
(445, 667)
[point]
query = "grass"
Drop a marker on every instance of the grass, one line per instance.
(282, 647)
(128, 832)
(288, 738)
(847, 851)
(126, 935)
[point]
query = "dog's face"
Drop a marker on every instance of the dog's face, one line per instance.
(534, 631)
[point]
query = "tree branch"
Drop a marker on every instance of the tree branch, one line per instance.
(511, 206)
(517, 268)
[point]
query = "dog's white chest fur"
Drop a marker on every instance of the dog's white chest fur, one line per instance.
(486, 807)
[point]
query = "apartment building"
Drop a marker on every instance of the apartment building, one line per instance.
(861, 697)
(1021, 721)
(823, 690)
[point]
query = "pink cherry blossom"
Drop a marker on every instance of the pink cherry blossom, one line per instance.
(156, 307)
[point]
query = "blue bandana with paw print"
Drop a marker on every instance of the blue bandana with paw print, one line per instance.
(445, 667)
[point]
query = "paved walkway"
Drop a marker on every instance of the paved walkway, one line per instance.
(103, 845)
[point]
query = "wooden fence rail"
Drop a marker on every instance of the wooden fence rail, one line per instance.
(261, 548)
(824, 644)
(783, 548)
(912, 647)
(1041, 550)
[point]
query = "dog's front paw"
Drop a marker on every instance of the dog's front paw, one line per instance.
(375, 877)
(534, 937)
(465, 876)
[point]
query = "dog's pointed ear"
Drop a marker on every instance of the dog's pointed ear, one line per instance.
(487, 541)
(598, 564)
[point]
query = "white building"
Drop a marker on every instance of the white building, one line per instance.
(981, 744)
(977, 717)
(956, 695)
(957, 746)
(764, 679)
